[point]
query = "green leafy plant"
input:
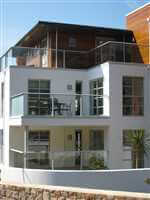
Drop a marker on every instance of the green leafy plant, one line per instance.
(140, 146)
(97, 163)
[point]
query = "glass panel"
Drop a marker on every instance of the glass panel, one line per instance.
(97, 140)
(138, 87)
(133, 97)
(17, 105)
(127, 101)
(126, 139)
(127, 91)
(45, 84)
(127, 81)
(33, 136)
(33, 84)
(96, 88)
(38, 104)
(44, 136)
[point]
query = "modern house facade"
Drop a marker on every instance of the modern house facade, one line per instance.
(71, 93)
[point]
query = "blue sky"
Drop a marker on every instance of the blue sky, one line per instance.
(18, 16)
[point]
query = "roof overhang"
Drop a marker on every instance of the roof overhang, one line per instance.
(41, 28)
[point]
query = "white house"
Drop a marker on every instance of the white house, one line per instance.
(70, 93)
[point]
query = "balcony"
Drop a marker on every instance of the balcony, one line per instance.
(59, 105)
(61, 58)
(66, 160)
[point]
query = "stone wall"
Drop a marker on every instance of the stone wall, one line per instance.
(32, 192)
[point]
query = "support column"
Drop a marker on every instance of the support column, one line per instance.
(56, 48)
(26, 130)
(124, 49)
(47, 53)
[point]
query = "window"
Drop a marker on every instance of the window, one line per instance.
(37, 137)
(38, 98)
(1, 137)
(128, 143)
(38, 144)
(126, 140)
(43, 43)
(96, 140)
(96, 90)
(72, 42)
(133, 96)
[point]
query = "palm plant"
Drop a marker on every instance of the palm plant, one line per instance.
(140, 146)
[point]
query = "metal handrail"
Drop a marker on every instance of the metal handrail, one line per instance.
(53, 94)
(57, 152)
(101, 45)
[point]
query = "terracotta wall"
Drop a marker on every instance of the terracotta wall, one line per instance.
(137, 22)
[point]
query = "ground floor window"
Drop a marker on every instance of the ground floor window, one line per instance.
(97, 140)
(38, 149)
(132, 141)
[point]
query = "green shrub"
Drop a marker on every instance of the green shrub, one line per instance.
(97, 163)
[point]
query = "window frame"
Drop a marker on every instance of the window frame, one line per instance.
(38, 97)
(137, 101)
(97, 109)
(91, 136)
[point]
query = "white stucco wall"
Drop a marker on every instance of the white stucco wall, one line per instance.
(112, 74)
(118, 121)
(118, 180)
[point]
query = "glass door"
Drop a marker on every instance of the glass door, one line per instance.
(78, 146)
(38, 149)
(78, 90)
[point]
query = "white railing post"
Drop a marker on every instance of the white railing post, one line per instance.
(81, 160)
(25, 104)
(52, 114)
(52, 161)
(81, 106)
(25, 146)
(40, 59)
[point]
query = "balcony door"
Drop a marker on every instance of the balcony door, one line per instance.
(78, 90)
(38, 149)
(96, 140)
(96, 90)
(78, 146)
(38, 97)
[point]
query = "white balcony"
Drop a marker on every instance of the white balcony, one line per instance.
(44, 107)
(66, 160)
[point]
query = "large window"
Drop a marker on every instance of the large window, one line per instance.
(38, 98)
(126, 138)
(133, 96)
(129, 141)
(38, 148)
(96, 140)
(96, 90)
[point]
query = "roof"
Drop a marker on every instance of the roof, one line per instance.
(42, 26)
(141, 7)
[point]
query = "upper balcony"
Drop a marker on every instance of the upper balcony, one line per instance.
(45, 108)
(61, 58)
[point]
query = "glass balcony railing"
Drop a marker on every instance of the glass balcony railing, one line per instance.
(61, 58)
(59, 105)
(66, 160)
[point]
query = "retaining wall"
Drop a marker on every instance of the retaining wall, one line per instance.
(32, 192)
